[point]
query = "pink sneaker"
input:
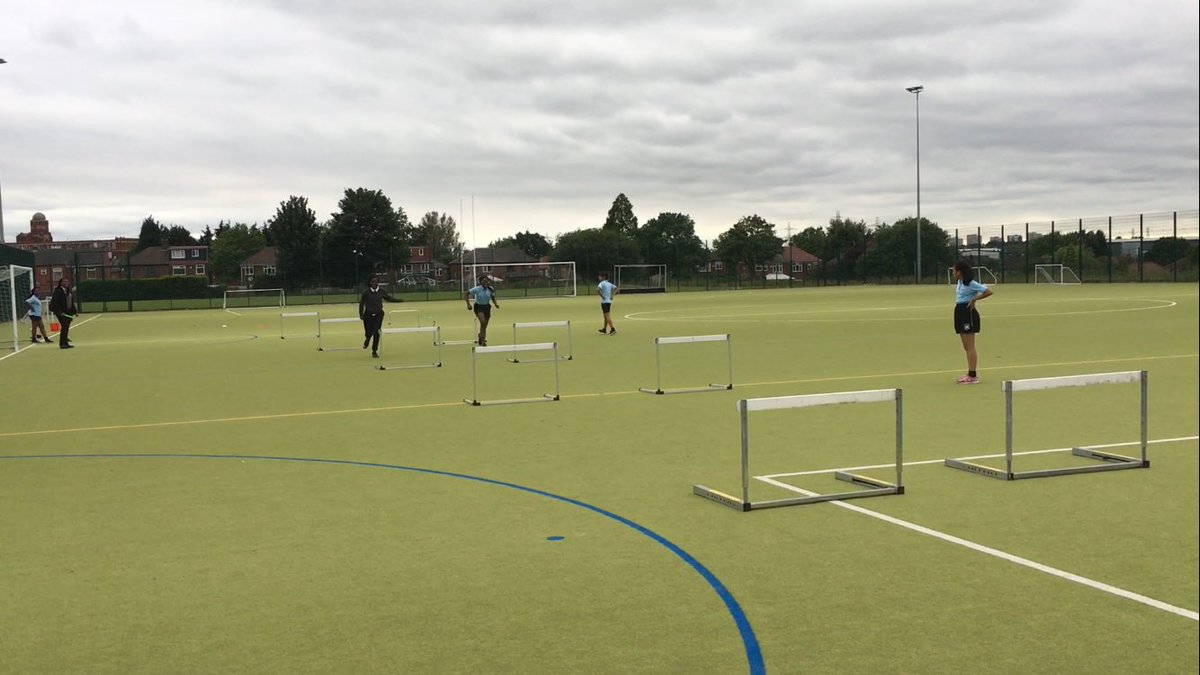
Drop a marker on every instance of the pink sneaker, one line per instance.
(967, 379)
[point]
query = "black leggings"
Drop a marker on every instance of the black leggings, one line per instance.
(371, 325)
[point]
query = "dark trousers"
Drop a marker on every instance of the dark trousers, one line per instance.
(64, 323)
(371, 325)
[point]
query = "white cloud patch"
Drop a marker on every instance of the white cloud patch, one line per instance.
(544, 111)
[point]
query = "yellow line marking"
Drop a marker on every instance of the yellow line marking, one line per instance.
(420, 406)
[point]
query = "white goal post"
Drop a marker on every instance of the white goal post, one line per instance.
(874, 487)
(524, 280)
(1055, 274)
(640, 278)
(248, 298)
(1109, 461)
(982, 274)
(15, 283)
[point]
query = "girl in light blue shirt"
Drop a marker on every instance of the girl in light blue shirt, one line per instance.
(34, 303)
(485, 297)
(966, 317)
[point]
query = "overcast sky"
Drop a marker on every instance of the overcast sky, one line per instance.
(542, 111)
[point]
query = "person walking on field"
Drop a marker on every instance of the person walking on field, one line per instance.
(62, 305)
(966, 318)
(607, 290)
(370, 310)
(485, 297)
(34, 303)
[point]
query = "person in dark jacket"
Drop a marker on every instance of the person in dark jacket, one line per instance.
(370, 310)
(62, 305)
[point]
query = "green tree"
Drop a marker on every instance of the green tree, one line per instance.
(595, 250)
(235, 243)
(177, 235)
(845, 242)
(751, 241)
(1168, 250)
(620, 217)
(891, 251)
(811, 239)
(150, 235)
(439, 232)
(297, 238)
(207, 237)
(365, 236)
(530, 243)
(670, 239)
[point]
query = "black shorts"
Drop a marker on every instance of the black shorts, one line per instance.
(485, 310)
(966, 319)
(605, 306)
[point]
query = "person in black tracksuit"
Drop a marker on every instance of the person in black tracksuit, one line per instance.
(62, 304)
(370, 310)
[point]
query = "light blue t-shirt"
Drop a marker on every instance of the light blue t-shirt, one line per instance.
(35, 306)
(964, 293)
(483, 294)
(606, 289)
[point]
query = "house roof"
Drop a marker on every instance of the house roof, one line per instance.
(497, 256)
(267, 255)
(58, 256)
(794, 254)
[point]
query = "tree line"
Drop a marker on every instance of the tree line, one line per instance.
(368, 234)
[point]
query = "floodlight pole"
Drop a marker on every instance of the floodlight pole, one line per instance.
(2, 61)
(917, 91)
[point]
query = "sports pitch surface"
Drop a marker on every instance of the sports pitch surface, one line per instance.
(187, 492)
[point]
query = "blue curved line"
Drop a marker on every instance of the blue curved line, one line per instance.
(749, 641)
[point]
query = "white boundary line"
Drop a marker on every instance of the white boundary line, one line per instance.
(28, 346)
(1025, 562)
(769, 476)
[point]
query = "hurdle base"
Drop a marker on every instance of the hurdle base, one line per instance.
(419, 365)
(691, 390)
(878, 488)
(1112, 462)
(561, 358)
(544, 398)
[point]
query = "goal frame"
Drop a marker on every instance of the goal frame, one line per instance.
(247, 291)
(874, 487)
(11, 273)
(980, 270)
(624, 289)
(472, 272)
(1045, 272)
(1110, 461)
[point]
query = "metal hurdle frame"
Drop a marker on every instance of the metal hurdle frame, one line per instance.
(537, 346)
(543, 324)
(1111, 461)
(659, 341)
(285, 315)
(874, 487)
(437, 347)
(321, 347)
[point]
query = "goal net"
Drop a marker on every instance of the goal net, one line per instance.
(1054, 274)
(525, 280)
(640, 278)
(15, 282)
(982, 274)
(253, 297)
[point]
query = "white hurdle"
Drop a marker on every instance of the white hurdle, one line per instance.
(322, 322)
(543, 324)
(688, 339)
(874, 487)
(1111, 461)
(293, 315)
(437, 347)
(506, 349)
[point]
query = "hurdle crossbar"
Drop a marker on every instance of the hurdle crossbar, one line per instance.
(687, 339)
(872, 487)
(290, 315)
(1110, 461)
(437, 347)
(321, 322)
(543, 324)
(507, 349)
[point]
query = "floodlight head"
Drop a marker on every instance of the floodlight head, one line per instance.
(915, 90)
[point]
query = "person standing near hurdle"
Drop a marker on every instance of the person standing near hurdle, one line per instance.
(62, 305)
(607, 290)
(370, 310)
(966, 318)
(34, 303)
(485, 297)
